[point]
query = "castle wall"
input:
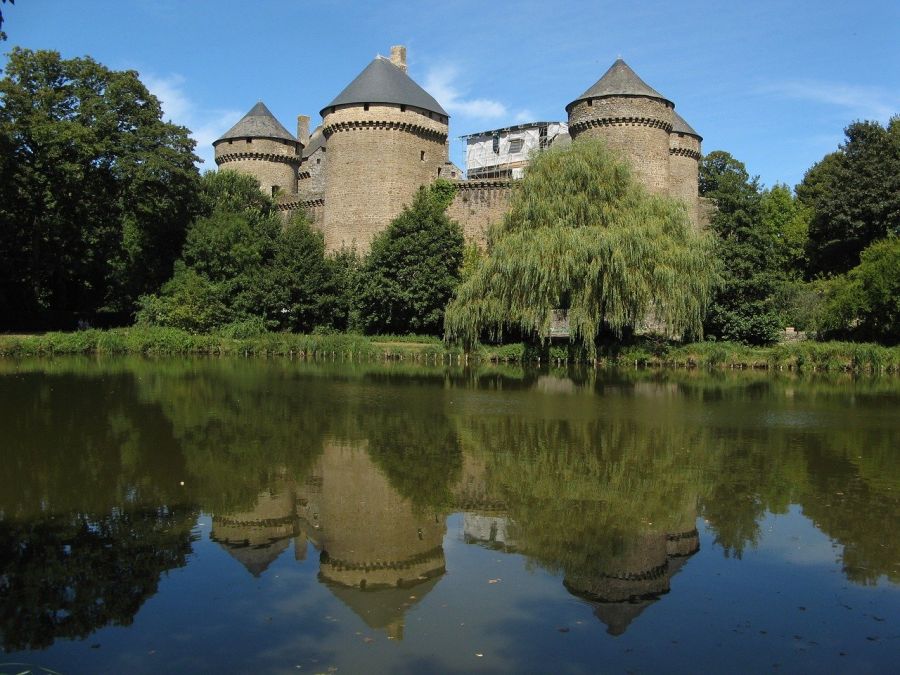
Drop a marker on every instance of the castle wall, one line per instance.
(287, 205)
(637, 128)
(272, 162)
(684, 158)
(479, 204)
(311, 183)
(377, 159)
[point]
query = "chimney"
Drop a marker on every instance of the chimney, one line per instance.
(303, 129)
(398, 56)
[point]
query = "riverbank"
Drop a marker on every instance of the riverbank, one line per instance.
(800, 356)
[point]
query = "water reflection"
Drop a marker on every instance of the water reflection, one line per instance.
(598, 478)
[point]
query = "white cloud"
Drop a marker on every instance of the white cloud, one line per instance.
(441, 82)
(206, 124)
(524, 116)
(860, 101)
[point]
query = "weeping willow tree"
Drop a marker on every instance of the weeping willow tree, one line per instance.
(583, 236)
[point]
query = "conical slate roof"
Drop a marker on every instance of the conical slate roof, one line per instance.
(680, 126)
(383, 82)
(258, 123)
(620, 80)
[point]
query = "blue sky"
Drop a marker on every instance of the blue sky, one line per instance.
(774, 82)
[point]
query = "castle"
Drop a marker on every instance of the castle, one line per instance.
(384, 136)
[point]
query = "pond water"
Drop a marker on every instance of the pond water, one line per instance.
(231, 515)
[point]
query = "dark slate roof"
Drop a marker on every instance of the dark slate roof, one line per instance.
(316, 141)
(620, 80)
(680, 126)
(383, 82)
(258, 123)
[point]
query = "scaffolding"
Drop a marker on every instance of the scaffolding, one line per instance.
(504, 153)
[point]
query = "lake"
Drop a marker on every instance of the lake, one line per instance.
(281, 516)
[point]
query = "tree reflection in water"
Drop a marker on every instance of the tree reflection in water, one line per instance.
(599, 478)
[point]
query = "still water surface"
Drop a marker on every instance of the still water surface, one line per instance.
(274, 516)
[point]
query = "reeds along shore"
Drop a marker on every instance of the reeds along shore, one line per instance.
(797, 356)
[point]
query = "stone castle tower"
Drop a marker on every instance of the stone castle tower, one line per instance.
(641, 125)
(259, 146)
(385, 136)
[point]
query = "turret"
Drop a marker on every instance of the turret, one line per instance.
(386, 137)
(684, 165)
(259, 146)
(632, 118)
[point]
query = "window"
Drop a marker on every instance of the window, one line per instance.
(515, 145)
(439, 172)
(318, 160)
(366, 106)
(402, 108)
(422, 156)
(249, 140)
(275, 189)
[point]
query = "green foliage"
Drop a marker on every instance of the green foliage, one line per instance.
(304, 284)
(581, 235)
(233, 191)
(786, 219)
(864, 304)
(854, 195)
(752, 248)
(413, 267)
(97, 190)
(239, 265)
(346, 275)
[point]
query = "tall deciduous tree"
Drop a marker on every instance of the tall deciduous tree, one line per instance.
(854, 195)
(582, 235)
(240, 265)
(413, 267)
(97, 190)
(751, 254)
(864, 304)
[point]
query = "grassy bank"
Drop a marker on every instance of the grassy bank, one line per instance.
(797, 356)
(170, 341)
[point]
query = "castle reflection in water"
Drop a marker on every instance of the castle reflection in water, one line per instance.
(381, 554)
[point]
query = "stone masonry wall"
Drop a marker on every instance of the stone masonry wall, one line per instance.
(272, 162)
(635, 127)
(311, 184)
(684, 158)
(377, 159)
(479, 204)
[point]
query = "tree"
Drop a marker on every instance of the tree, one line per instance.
(2, 34)
(239, 265)
(413, 267)
(749, 249)
(97, 190)
(864, 304)
(854, 195)
(582, 235)
(786, 219)
(303, 281)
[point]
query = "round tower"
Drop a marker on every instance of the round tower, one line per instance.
(684, 166)
(260, 147)
(386, 136)
(632, 118)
